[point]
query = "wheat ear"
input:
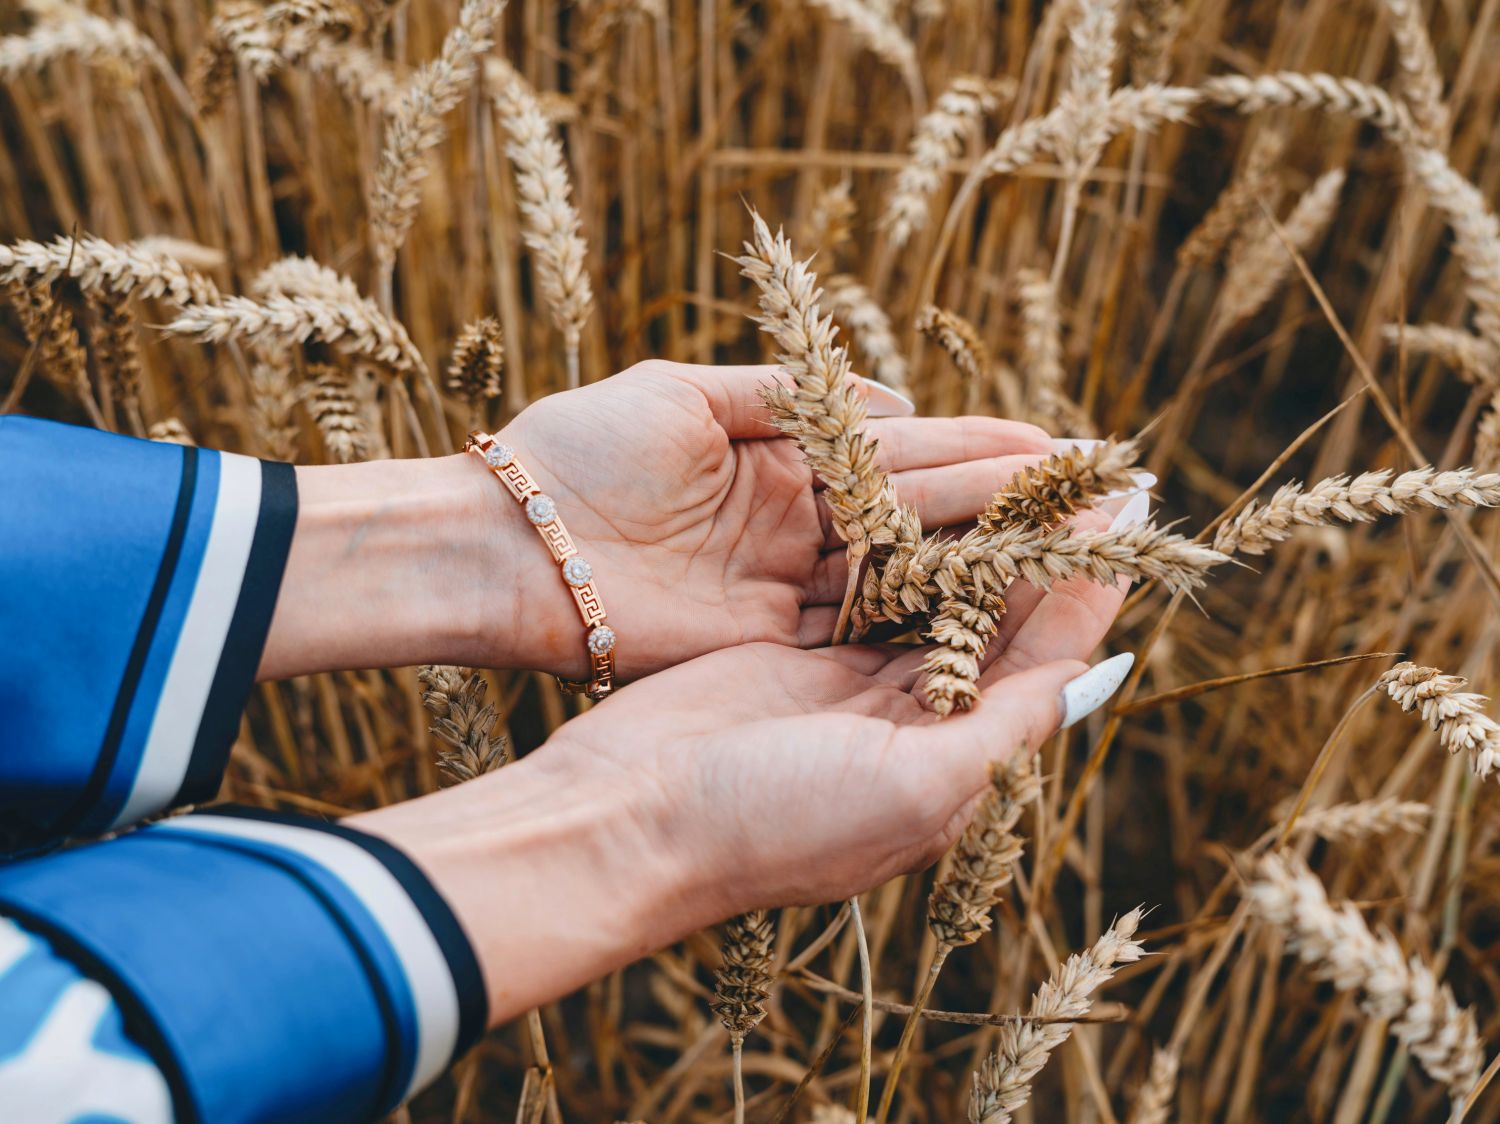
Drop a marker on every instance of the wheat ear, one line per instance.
(1153, 28)
(295, 276)
(273, 398)
(1476, 359)
(1049, 493)
(1153, 1102)
(356, 328)
(822, 411)
(117, 351)
(95, 264)
(171, 430)
(1359, 499)
(551, 227)
(830, 219)
(462, 721)
(1041, 346)
(416, 127)
(1340, 948)
(874, 30)
(331, 404)
(90, 39)
(742, 983)
(1421, 84)
(50, 329)
(1002, 1083)
(477, 365)
(959, 340)
(1457, 715)
(1348, 823)
(958, 909)
(938, 138)
(853, 304)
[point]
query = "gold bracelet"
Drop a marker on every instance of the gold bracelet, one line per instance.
(577, 574)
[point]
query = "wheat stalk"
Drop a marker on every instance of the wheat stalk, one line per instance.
(59, 352)
(416, 127)
(95, 264)
(937, 139)
(958, 909)
(874, 30)
(1359, 499)
(742, 983)
(851, 303)
(1457, 715)
(551, 227)
(354, 327)
(1002, 1083)
(823, 412)
(463, 721)
(1340, 948)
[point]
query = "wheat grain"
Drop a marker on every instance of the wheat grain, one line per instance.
(937, 139)
(171, 430)
(294, 276)
(416, 126)
(1049, 493)
(959, 340)
(88, 38)
(1458, 716)
(358, 329)
(1358, 499)
(551, 227)
(1421, 84)
(50, 329)
(273, 398)
(851, 303)
(1002, 1083)
(1340, 948)
(117, 351)
(477, 363)
(463, 721)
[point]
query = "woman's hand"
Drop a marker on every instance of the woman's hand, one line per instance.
(702, 523)
(757, 776)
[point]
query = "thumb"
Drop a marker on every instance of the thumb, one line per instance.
(1017, 713)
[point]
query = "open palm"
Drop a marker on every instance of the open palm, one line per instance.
(703, 524)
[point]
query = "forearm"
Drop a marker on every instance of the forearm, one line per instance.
(555, 876)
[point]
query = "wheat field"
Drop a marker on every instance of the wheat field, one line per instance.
(1254, 243)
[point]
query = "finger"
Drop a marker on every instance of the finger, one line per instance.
(907, 443)
(815, 625)
(1067, 623)
(733, 393)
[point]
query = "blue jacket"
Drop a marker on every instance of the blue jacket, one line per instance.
(228, 964)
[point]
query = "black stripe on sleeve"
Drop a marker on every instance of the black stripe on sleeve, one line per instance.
(463, 965)
(246, 639)
(109, 750)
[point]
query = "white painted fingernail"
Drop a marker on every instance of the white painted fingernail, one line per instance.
(1091, 690)
(1068, 444)
(1136, 510)
(883, 402)
(1143, 480)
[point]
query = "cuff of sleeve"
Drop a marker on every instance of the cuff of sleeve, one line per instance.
(276, 967)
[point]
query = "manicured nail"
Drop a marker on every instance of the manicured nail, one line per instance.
(883, 402)
(1136, 510)
(1091, 690)
(1068, 444)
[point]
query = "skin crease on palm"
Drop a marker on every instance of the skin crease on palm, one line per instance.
(759, 768)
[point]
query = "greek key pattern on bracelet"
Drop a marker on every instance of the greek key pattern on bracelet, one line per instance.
(577, 574)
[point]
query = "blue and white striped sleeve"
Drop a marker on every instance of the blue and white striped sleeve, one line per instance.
(235, 965)
(138, 579)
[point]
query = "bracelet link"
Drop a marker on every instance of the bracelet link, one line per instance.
(577, 574)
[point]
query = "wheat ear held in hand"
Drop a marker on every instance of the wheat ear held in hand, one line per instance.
(741, 985)
(1002, 1083)
(1048, 493)
(958, 910)
(822, 411)
(1340, 948)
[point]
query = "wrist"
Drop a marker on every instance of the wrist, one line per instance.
(556, 873)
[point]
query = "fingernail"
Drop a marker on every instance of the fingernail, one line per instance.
(1135, 511)
(883, 402)
(1091, 690)
(1068, 444)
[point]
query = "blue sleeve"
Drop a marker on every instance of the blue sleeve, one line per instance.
(262, 967)
(137, 583)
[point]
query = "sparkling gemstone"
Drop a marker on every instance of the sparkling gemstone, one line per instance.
(601, 640)
(577, 571)
(541, 509)
(498, 455)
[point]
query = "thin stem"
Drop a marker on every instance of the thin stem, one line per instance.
(866, 1045)
(737, 1047)
(909, 1031)
(857, 553)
